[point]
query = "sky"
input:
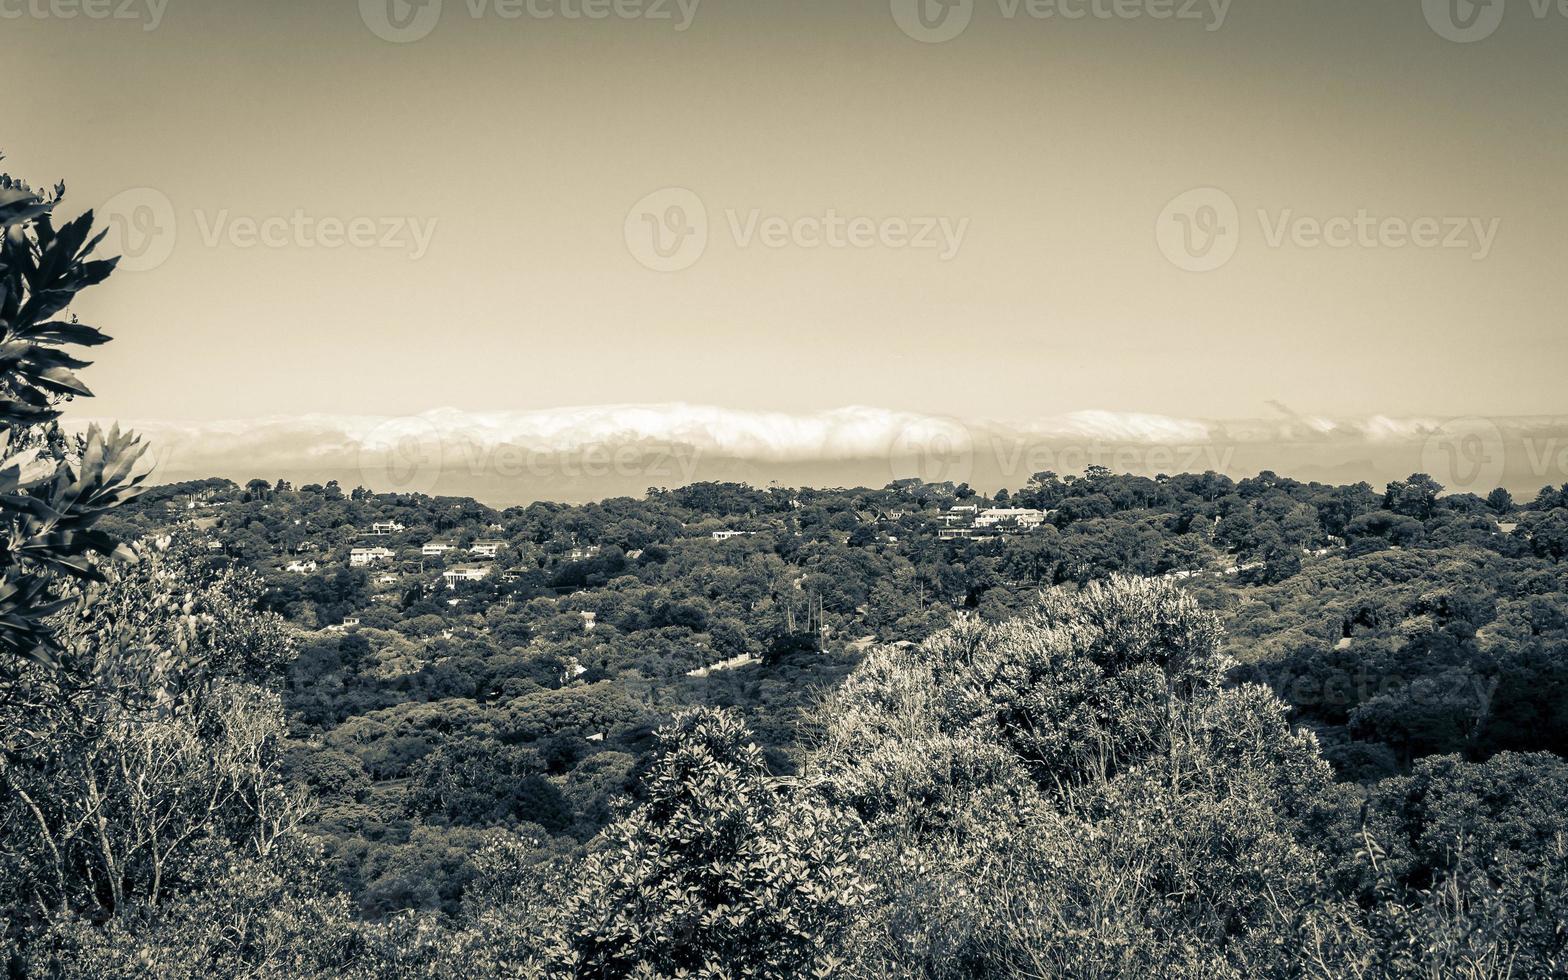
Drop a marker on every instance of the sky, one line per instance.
(798, 206)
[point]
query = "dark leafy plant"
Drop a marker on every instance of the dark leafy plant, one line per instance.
(53, 489)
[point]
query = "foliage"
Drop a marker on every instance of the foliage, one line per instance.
(146, 747)
(258, 918)
(1091, 780)
(53, 489)
(717, 873)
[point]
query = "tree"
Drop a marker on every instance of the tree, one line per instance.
(1549, 535)
(1468, 866)
(1415, 497)
(53, 488)
(480, 782)
(252, 918)
(719, 870)
(145, 751)
(1017, 829)
(1500, 501)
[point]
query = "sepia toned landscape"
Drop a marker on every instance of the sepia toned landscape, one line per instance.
(701, 488)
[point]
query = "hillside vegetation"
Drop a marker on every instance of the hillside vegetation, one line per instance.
(1094, 726)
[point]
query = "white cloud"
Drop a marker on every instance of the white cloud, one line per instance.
(461, 444)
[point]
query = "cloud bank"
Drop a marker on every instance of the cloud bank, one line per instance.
(591, 451)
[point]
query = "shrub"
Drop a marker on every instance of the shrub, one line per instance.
(719, 872)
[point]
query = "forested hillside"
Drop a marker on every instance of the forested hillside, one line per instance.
(1397, 625)
(1098, 725)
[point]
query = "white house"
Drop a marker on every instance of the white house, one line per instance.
(485, 549)
(586, 551)
(726, 535)
(302, 567)
(360, 557)
(1022, 516)
(386, 527)
(455, 575)
(435, 549)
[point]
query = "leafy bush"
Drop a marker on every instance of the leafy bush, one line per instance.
(53, 489)
(719, 872)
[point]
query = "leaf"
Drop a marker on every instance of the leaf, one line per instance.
(65, 332)
(63, 381)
